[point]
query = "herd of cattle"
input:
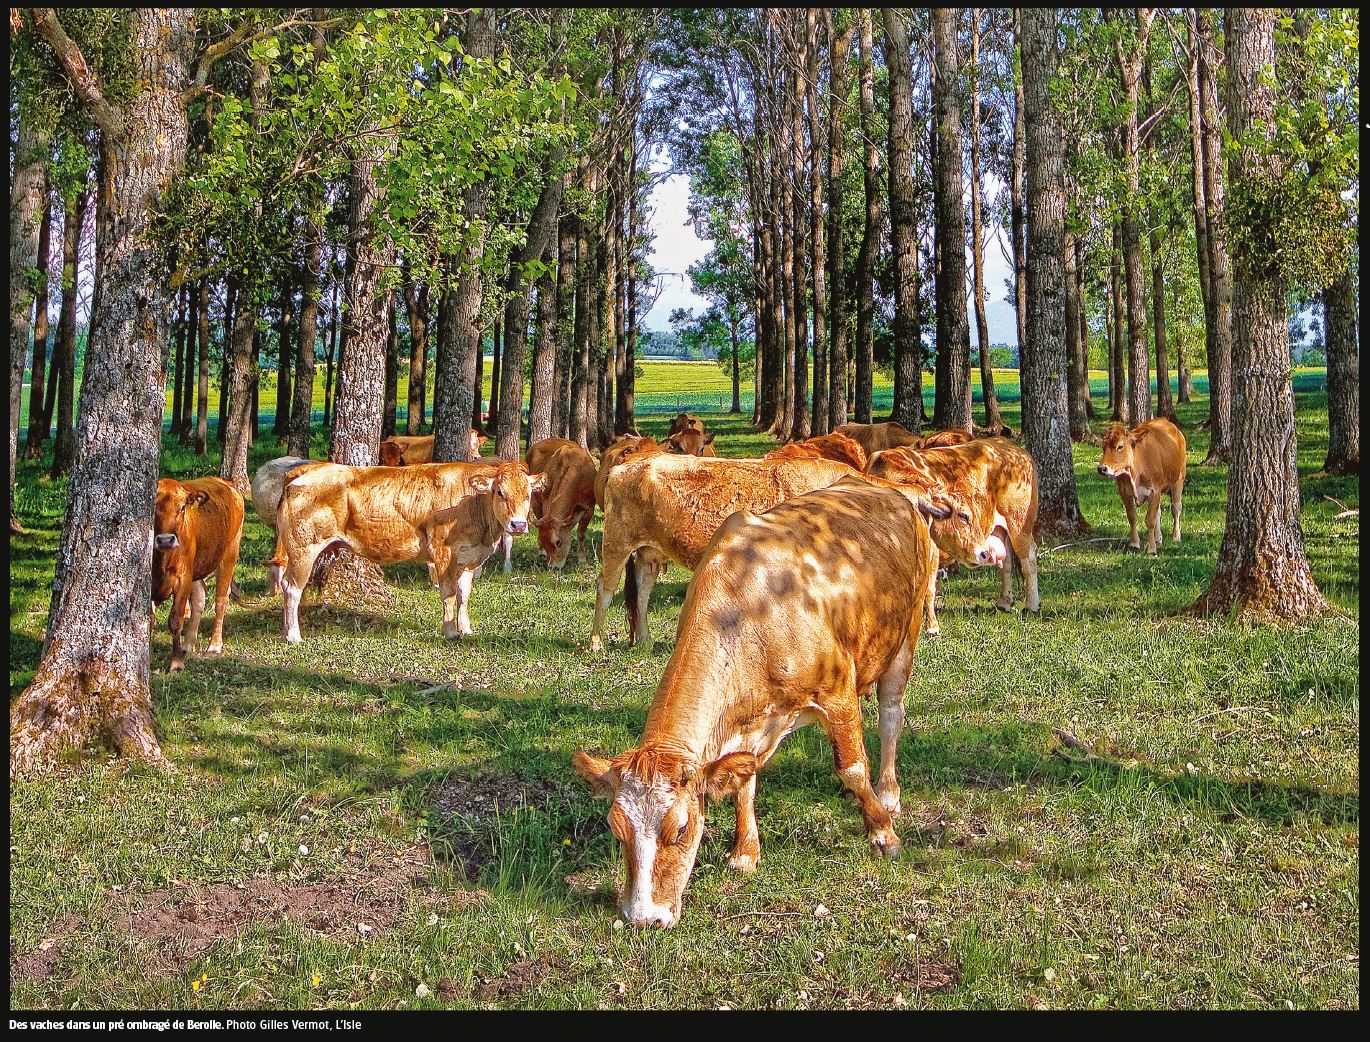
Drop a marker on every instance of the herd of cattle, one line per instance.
(814, 568)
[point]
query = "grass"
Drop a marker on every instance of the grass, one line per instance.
(1208, 857)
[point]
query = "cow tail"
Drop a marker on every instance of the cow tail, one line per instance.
(630, 595)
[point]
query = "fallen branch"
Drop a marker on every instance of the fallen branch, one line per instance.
(1080, 542)
(1070, 741)
(1346, 511)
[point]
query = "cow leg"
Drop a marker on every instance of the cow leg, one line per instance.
(585, 516)
(1130, 505)
(1005, 601)
(507, 545)
(223, 591)
(932, 627)
(1176, 505)
(294, 579)
(197, 610)
(648, 568)
(464, 581)
(610, 575)
(849, 759)
(1025, 557)
(746, 850)
(179, 607)
(1153, 522)
(890, 693)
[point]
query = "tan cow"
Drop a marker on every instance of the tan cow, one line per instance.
(945, 439)
(792, 616)
(401, 450)
(1146, 461)
(833, 446)
(995, 484)
(457, 540)
(618, 450)
(197, 531)
(374, 511)
(684, 421)
(567, 499)
(692, 441)
(876, 437)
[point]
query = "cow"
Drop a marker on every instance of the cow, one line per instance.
(618, 450)
(660, 507)
(684, 421)
(374, 511)
(945, 439)
(994, 483)
(197, 531)
(692, 441)
(1146, 461)
(793, 615)
(457, 540)
(875, 437)
(401, 450)
(833, 446)
(567, 499)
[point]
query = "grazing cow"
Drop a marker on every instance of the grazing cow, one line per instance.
(833, 446)
(662, 507)
(1146, 461)
(197, 529)
(268, 482)
(567, 499)
(457, 540)
(684, 421)
(400, 450)
(995, 484)
(792, 616)
(692, 441)
(374, 511)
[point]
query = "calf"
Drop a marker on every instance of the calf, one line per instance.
(995, 484)
(1146, 461)
(568, 497)
(692, 441)
(457, 540)
(684, 421)
(198, 526)
(374, 511)
(400, 450)
(837, 447)
(792, 616)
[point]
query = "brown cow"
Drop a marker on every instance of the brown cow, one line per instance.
(662, 507)
(373, 511)
(876, 437)
(793, 615)
(833, 446)
(197, 529)
(684, 421)
(567, 499)
(401, 450)
(618, 450)
(459, 539)
(1146, 461)
(945, 439)
(995, 484)
(692, 441)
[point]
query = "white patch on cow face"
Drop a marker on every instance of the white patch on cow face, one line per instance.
(993, 551)
(646, 808)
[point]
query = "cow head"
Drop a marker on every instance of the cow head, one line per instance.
(1117, 461)
(684, 421)
(476, 439)
(169, 517)
(511, 491)
(689, 442)
(656, 811)
(971, 531)
(391, 454)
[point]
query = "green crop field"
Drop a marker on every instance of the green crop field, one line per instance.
(381, 818)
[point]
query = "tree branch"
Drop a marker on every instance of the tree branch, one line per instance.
(244, 36)
(83, 81)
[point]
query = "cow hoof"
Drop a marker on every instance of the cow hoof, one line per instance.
(293, 638)
(1004, 606)
(886, 844)
(214, 649)
(743, 862)
(936, 632)
(596, 644)
(176, 666)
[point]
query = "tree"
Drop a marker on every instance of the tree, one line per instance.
(92, 681)
(1219, 329)
(864, 288)
(993, 420)
(1343, 376)
(908, 360)
(840, 30)
(38, 420)
(1262, 570)
(1046, 424)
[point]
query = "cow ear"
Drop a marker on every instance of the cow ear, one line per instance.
(196, 498)
(537, 482)
(728, 773)
(599, 774)
(482, 483)
(936, 508)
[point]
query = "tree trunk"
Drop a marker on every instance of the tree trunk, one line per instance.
(26, 218)
(63, 382)
(92, 682)
(186, 423)
(202, 394)
(389, 422)
(818, 414)
(563, 362)
(285, 356)
(870, 239)
(1262, 571)
(953, 409)
(627, 391)
(839, 322)
(908, 361)
(1117, 374)
(1046, 422)
(334, 324)
(1219, 331)
(416, 303)
(1164, 405)
(543, 383)
(302, 407)
(1079, 420)
(800, 220)
(993, 420)
(1079, 362)
(1343, 376)
(38, 420)
(1130, 52)
(1196, 156)
(1017, 222)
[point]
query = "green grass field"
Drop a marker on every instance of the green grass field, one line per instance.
(380, 818)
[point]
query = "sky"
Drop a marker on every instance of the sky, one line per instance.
(675, 246)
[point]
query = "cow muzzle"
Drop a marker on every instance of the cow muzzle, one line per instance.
(518, 527)
(993, 551)
(1109, 472)
(167, 542)
(649, 913)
